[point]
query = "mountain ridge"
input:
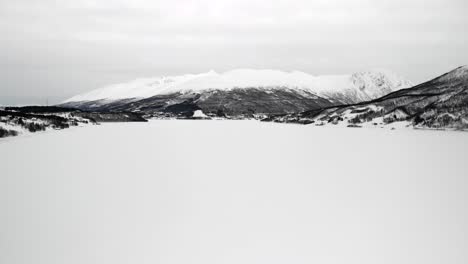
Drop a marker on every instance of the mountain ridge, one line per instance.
(247, 78)
(260, 91)
(441, 102)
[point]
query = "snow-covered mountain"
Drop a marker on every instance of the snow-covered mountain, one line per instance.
(439, 103)
(356, 87)
(264, 91)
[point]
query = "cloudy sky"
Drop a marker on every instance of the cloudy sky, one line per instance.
(60, 48)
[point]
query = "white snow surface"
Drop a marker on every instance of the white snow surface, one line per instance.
(199, 114)
(243, 192)
(365, 85)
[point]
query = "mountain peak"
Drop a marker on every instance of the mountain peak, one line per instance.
(378, 82)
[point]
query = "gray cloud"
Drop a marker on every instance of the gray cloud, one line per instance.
(60, 48)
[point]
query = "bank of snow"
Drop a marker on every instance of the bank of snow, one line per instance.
(199, 114)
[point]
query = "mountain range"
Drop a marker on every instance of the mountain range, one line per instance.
(239, 93)
(369, 98)
(438, 104)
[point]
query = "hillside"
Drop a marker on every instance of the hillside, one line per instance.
(438, 103)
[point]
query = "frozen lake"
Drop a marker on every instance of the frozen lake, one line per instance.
(233, 192)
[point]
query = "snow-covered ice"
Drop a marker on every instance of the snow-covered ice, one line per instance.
(233, 192)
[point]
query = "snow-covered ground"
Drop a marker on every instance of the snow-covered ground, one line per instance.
(233, 192)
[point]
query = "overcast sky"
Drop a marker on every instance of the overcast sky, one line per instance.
(61, 48)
